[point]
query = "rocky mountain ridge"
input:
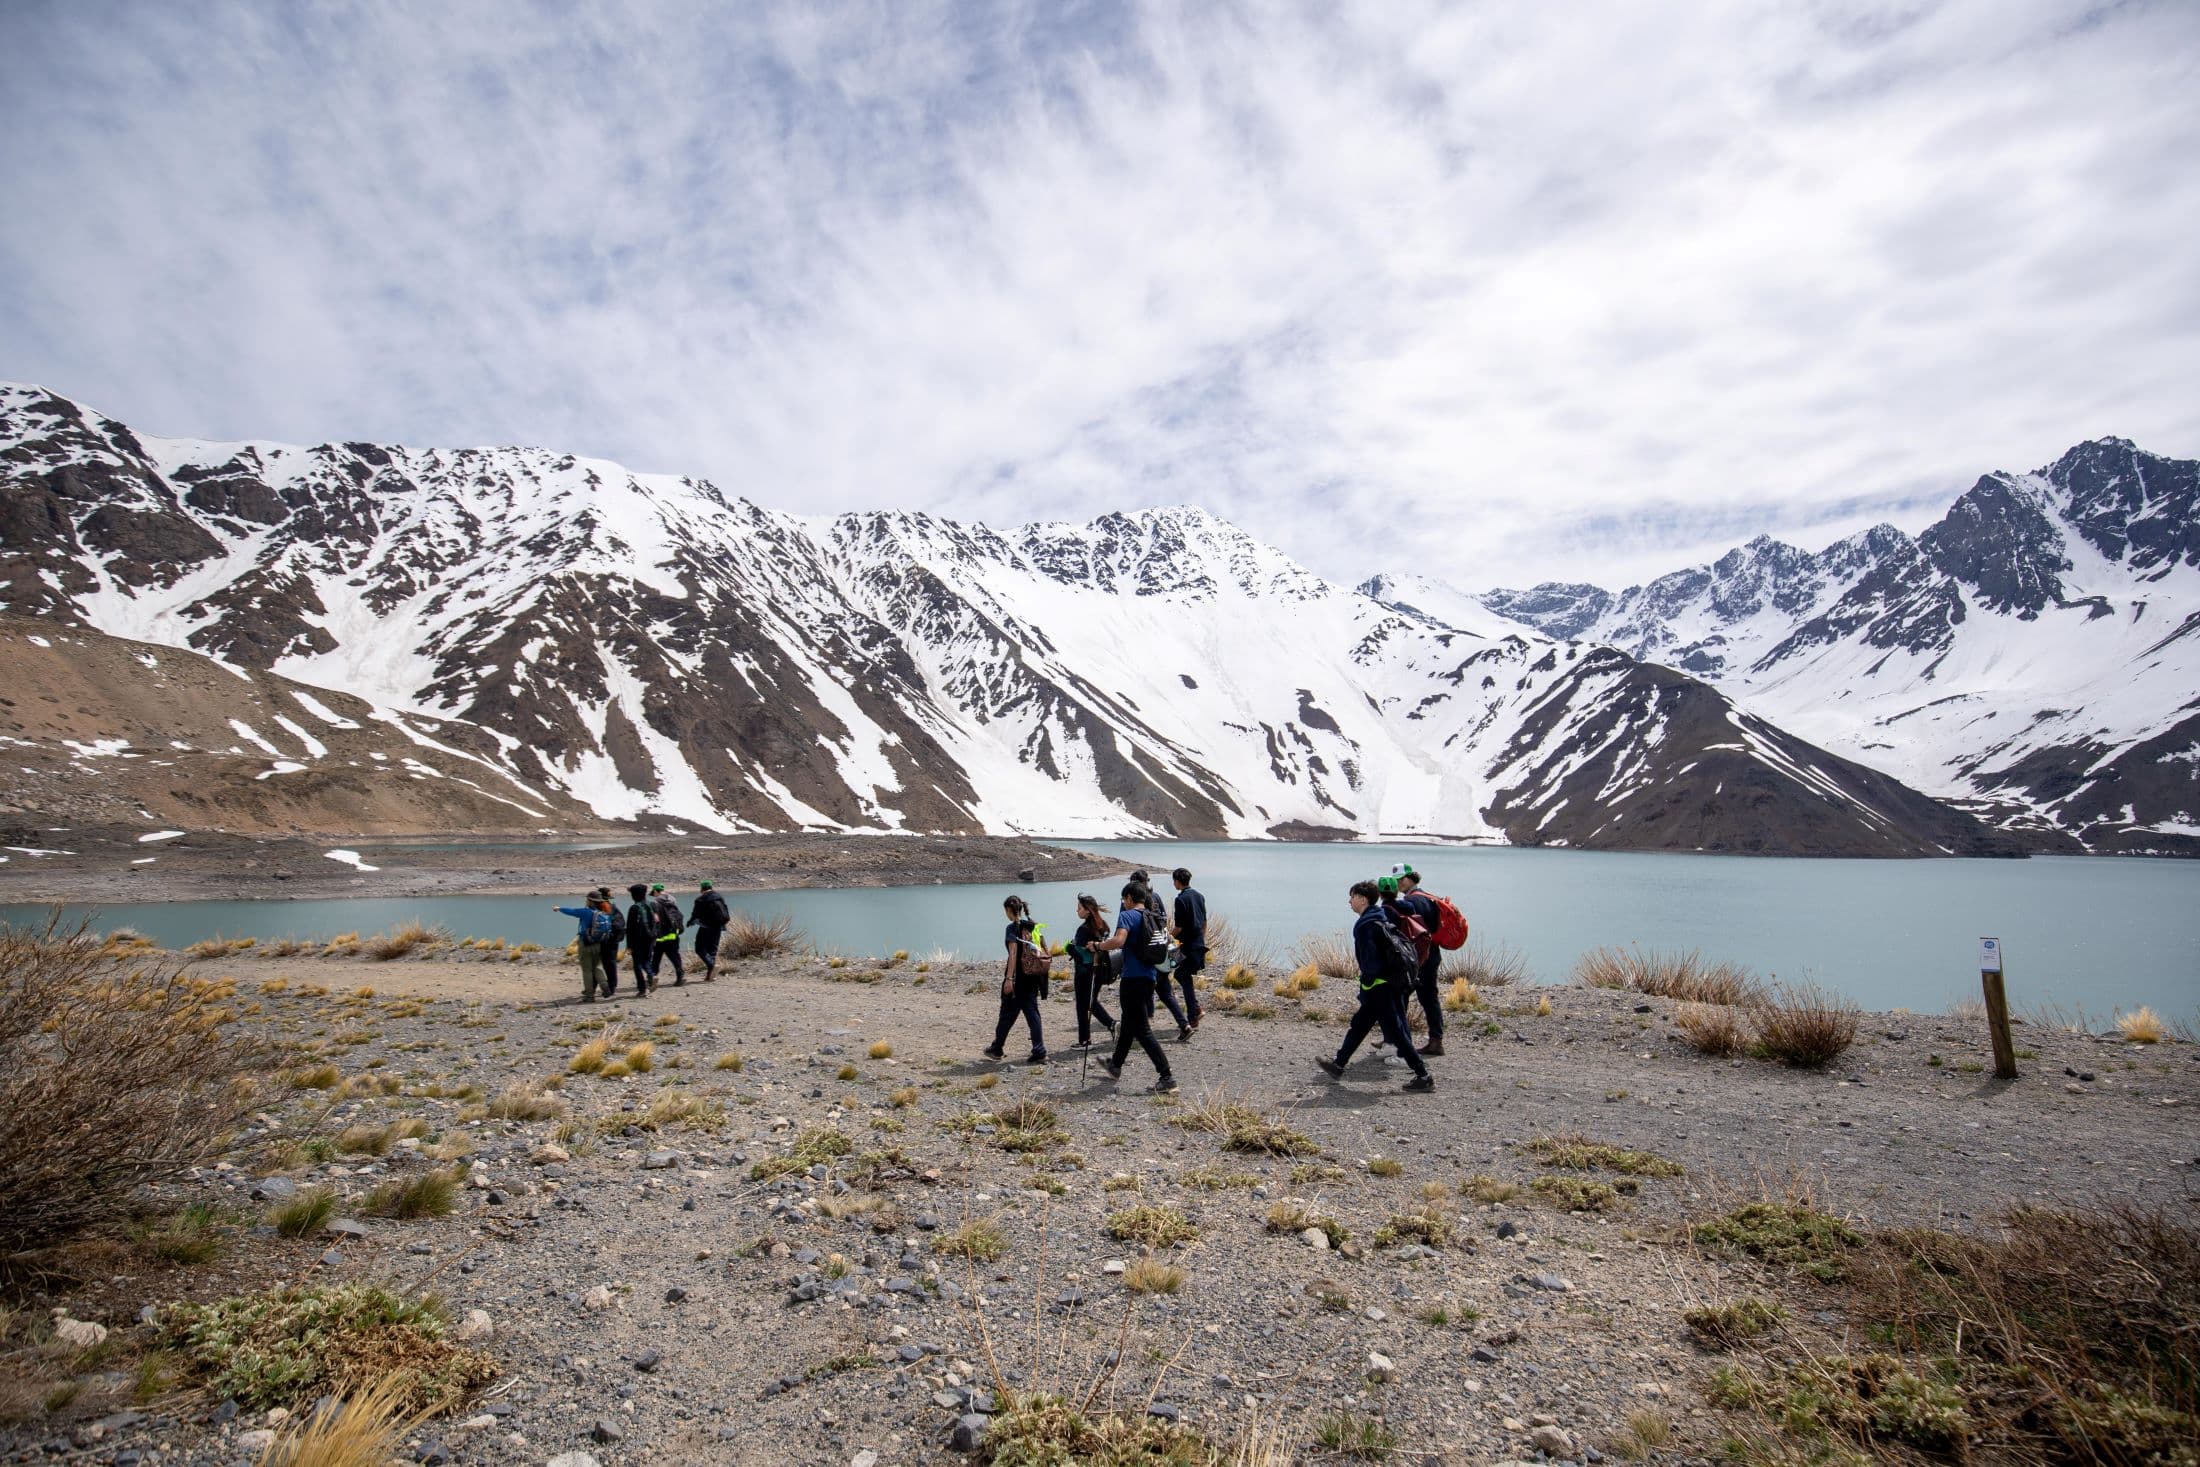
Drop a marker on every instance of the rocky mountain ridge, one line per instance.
(2034, 655)
(651, 648)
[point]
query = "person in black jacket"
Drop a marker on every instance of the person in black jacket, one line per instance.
(1020, 994)
(664, 914)
(641, 939)
(709, 919)
(1092, 969)
(1371, 945)
(1161, 988)
(1190, 930)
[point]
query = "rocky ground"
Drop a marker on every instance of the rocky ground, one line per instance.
(652, 1294)
(117, 863)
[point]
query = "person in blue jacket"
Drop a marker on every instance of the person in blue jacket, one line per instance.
(1382, 969)
(596, 924)
(1139, 975)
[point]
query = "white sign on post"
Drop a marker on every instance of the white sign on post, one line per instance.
(1989, 955)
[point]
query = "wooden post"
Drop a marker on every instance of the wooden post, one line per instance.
(1997, 1008)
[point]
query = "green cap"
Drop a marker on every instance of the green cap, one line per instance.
(656, 886)
(1387, 885)
(704, 883)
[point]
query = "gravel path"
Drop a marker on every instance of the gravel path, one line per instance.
(653, 1302)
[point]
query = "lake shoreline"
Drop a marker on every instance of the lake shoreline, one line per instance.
(122, 865)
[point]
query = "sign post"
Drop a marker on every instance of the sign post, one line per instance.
(1997, 1007)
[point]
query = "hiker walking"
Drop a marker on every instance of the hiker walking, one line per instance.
(709, 919)
(1161, 988)
(1023, 983)
(1189, 927)
(1143, 943)
(664, 915)
(1091, 968)
(595, 920)
(1386, 960)
(641, 939)
(1423, 908)
(602, 896)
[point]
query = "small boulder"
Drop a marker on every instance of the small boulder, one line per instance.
(274, 1189)
(1316, 1239)
(658, 1161)
(969, 1433)
(573, 1459)
(77, 1334)
(474, 1328)
(253, 1443)
(550, 1152)
(1553, 1441)
(598, 1299)
(1380, 1368)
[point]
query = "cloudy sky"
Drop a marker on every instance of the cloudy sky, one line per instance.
(1498, 292)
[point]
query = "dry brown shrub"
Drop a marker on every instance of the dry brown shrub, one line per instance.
(400, 941)
(1485, 964)
(1685, 975)
(1713, 1028)
(115, 1073)
(366, 1431)
(1805, 1026)
(1332, 957)
(749, 937)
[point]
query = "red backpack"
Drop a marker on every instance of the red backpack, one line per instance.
(1451, 927)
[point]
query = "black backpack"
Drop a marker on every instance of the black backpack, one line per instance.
(1153, 938)
(1400, 958)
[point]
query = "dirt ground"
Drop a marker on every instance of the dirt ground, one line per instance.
(654, 1300)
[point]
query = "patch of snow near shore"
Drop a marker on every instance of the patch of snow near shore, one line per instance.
(351, 859)
(146, 840)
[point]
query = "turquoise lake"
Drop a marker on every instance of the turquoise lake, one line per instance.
(2093, 933)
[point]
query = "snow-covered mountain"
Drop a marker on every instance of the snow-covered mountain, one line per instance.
(648, 646)
(2034, 655)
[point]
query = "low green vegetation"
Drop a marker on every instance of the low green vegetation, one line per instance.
(1732, 1322)
(1579, 1153)
(289, 1346)
(1155, 1227)
(1790, 1234)
(1575, 1194)
(818, 1147)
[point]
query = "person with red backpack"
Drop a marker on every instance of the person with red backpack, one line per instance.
(1421, 908)
(1386, 960)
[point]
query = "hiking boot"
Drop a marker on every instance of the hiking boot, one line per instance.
(1184, 1034)
(1164, 1086)
(1111, 1069)
(996, 1054)
(1197, 1015)
(679, 983)
(1036, 1057)
(1434, 1049)
(1330, 1067)
(1422, 1081)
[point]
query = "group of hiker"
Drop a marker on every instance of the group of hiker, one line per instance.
(651, 930)
(1399, 936)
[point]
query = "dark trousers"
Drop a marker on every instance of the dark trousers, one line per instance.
(1160, 988)
(661, 950)
(1089, 1006)
(1379, 1006)
(643, 968)
(1190, 965)
(706, 947)
(1137, 1025)
(1022, 1000)
(609, 958)
(1431, 995)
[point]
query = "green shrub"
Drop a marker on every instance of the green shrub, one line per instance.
(289, 1346)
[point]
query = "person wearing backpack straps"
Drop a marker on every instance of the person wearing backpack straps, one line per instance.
(1386, 960)
(595, 923)
(1091, 969)
(1023, 983)
(1161, 989)
(1423, 907)
(664, 915)
(641, 939)
(1134, 938)
(709, 919)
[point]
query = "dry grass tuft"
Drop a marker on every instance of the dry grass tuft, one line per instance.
(980, 1241)
(752, 937)
(1485, 965)
(1294, 1217)
(1805, 1026)
(401, 941)
(524, 1101)
(1243, 1129)
(880, 1049)
(368, 1430)
(1153, 1226)
(1152, 1276)
(1487, 1189)
(1461, 996)
(2141, 1026)
(590, 1058)
(1712, 1028)
(1685, 976)
(1331, 957)
(431, 1194)
(641, 1058)
(1580, 1153)
(115, 1074)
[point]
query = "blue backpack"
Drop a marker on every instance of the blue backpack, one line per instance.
(596, 927)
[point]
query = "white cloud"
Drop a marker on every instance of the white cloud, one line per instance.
(1569, 291)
